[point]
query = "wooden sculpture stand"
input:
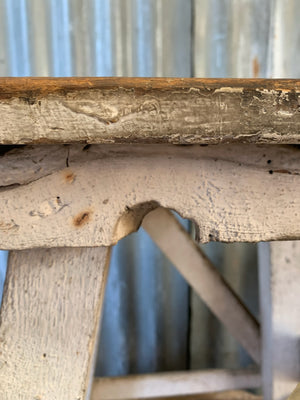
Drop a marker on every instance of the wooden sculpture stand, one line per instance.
(104, 156)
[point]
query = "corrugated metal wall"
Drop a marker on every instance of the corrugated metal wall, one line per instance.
(147, 324)
(232, 38)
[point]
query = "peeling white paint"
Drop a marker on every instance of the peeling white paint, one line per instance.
(285, 113)
(230, 90)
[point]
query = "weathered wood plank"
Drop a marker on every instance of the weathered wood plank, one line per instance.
(49, 323)
(280, 309)
(234, 193)
(204, 278)
(148, 110)
(173, 384)
(226, 395)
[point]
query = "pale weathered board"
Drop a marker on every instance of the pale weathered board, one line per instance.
(148, 110)
(204, 278)
(224, 395)
(173, 383)
(233, 193)
(49, 323)
(280, 310)
(228, 395)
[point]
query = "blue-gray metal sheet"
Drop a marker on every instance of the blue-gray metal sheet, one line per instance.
(231, 38)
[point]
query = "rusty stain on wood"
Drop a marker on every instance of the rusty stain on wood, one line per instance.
(69, 177)
(82, 218)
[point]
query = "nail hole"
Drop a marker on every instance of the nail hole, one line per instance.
(86, 147)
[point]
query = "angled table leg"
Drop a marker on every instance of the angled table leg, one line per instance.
(49, 322)
(280, 309)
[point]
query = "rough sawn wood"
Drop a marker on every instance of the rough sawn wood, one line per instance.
(148, 110)
(233, 193)
(49, 323)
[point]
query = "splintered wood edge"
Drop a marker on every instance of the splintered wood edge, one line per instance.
(149, 110)
(234, 193)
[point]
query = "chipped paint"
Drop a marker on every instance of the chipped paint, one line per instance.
(229, 90)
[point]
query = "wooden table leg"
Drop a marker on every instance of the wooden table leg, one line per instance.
(49, 322)
(280, 310)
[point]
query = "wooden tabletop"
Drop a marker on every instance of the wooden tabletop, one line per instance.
(149, 110)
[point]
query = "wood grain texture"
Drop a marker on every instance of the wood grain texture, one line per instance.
(279, 278)
(173, 384)
(234, 193)
(148, 110)
(204, 278)
(49, 323)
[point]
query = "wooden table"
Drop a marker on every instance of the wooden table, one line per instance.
(102, 157)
